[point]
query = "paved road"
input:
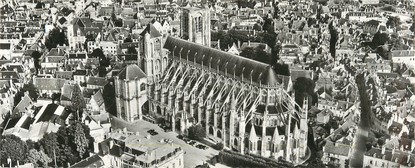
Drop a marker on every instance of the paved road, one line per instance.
(361, 136)
(358, 148)
(192, 157)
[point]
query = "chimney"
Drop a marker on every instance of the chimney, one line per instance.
(111, 143)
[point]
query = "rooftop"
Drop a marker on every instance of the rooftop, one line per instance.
(227, 63)
(142, 148)
(131, 72)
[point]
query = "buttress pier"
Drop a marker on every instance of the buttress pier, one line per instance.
(240, 102)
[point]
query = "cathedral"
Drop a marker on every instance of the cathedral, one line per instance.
(240, 102)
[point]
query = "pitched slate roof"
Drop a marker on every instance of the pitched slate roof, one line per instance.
(13, 67)
(336, 148)
(63, 74)
(48, 112)
(5, 46)
(151, 30)
(226, 62)
(9, 75)
(98, 98)
(56, 52)
(49, 83)
(131, 72)
(81, 72)
(100, 81)
(93, 161)
(22, 105)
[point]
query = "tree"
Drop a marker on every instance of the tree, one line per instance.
(38, 158)
(56, 37)
(261, 55)
(393, 22)
(104, 62)
(282, 69)
(78, 102)
(333, 39)
(109, 98)
(30, 88)
(128, 39)
(218, 146)
(257, 27)
(197, 132)
(379, 39)
(14, 148)
(275, 53)
(247, 52)
(226, 41)
(50, 144)
(268, 26)
(118, 23)
(97, 53)
(131, 50)
(36, 56)
(303, 87)
(39, 5)
(269, 38)
(81, 140)
(69, 145)
(56, 97)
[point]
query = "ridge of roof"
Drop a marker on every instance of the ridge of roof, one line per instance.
(242, 67)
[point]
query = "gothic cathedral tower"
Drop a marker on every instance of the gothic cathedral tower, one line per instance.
(195, 25)
(130, 93)
(154, 58)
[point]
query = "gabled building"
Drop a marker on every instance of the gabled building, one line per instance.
(96, 82)
(24, 106)
(376, 157)
(54, 59)
(336, 153)
(49, 85)
(96, 103)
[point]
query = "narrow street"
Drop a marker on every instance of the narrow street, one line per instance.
(359, 141)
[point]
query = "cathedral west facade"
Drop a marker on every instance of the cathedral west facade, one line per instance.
(240, 102)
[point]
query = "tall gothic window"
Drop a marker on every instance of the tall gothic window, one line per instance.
(198, 24)
(157, 45)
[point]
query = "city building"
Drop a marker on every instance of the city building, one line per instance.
(131, 93)
(135, 149)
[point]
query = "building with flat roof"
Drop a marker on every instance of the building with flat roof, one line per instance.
(130, 149)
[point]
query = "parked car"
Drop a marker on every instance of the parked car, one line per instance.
(152, 132)
(191, 142)
(200, 146)
(187, 140)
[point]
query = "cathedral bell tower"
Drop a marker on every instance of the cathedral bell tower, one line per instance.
(154, 58)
